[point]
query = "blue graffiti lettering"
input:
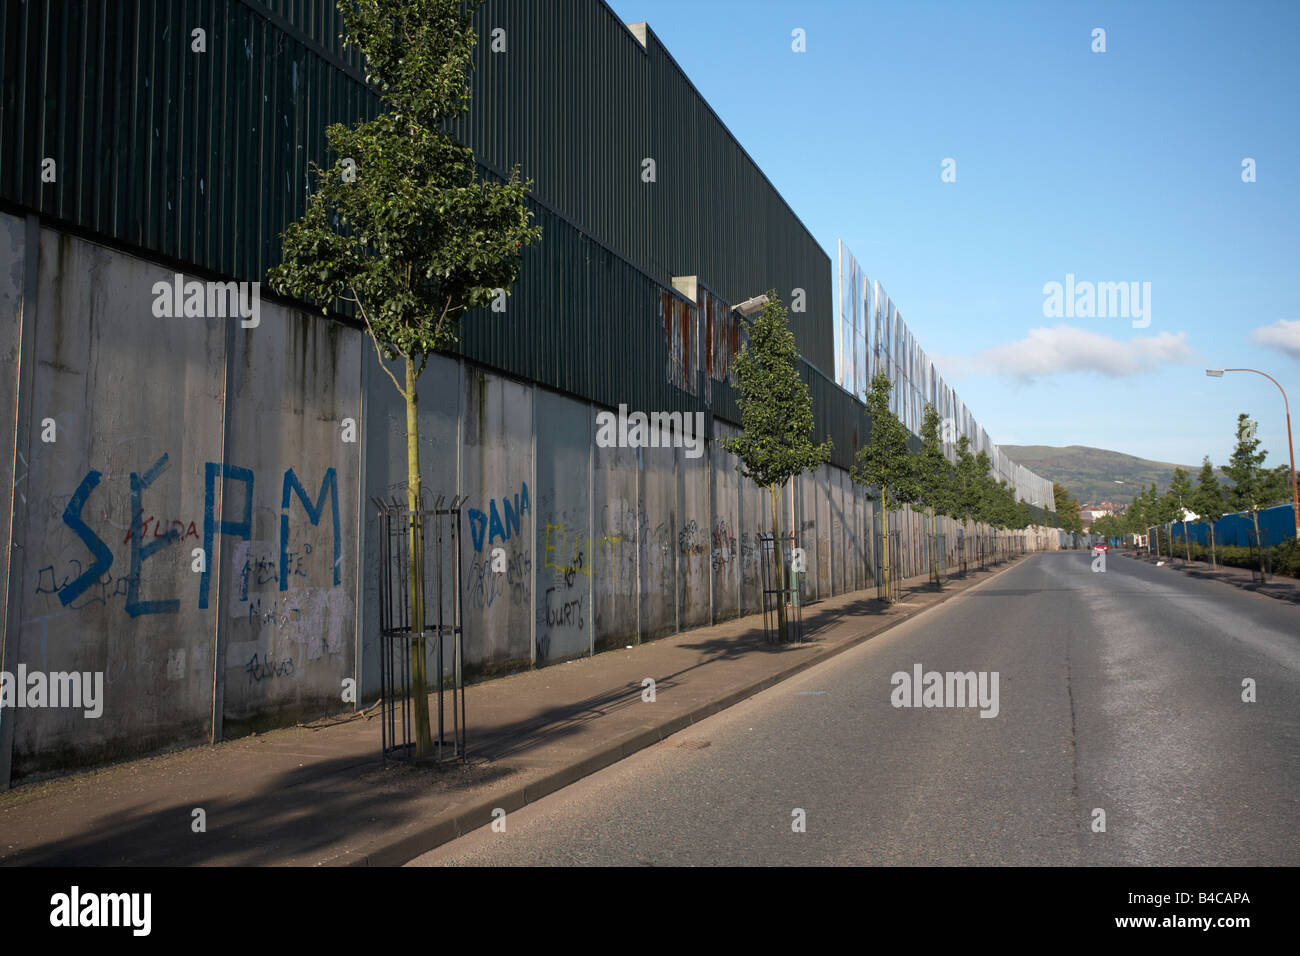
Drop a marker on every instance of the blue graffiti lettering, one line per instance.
(329, 484)
(103, 556)
(139, 552)
(241, 529)
(491, 525)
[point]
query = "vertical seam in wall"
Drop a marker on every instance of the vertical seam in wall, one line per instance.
(217, 559)
(11, 626)
(679, 496)
(708, 497)
(740, 532)
(830, 528)
(462, 380)
(532, 477)
(359, 571)
(796, 525)
(591, 530)
(642, 525)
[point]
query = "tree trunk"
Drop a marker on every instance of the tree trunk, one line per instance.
(884, 561)
(934, 547)
(1254, 517)
(1213, 560)
(419, 679)
(779, 557)
(1187, 544)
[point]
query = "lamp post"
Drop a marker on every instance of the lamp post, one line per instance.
(1295, 495)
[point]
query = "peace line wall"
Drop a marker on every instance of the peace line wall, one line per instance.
(177, 434)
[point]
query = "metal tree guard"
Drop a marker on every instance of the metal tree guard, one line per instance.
(895, 566)
(773, 594)
(1261, 559)
(938, 558)
(441, 538)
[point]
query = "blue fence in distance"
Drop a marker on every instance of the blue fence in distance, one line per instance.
(1234, 529)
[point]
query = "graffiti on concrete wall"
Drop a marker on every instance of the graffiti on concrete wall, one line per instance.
(724, 552)
(493, 577)
(484, 585)
(569, 552)
(87, 572)
(502, 520)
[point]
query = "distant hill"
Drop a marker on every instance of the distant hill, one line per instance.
(1095, 474)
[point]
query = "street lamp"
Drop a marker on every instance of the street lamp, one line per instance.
(1295, 495)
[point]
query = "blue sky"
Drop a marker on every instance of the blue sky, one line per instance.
(1119, 166)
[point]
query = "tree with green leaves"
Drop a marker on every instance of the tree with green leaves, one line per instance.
(1107, 527)
(1208, 501)
(1166, 513)
(1149, 508)
(1276, 485)
(1134, 519)
(1067, 510)
(402, 228)
(934, 479)
(965, 504)
(983, 493)
(1000, 499)
(884, 462)
(1180, 494)
(776, 415)
(1251, 484)
(1024, 516)
(1005, 513)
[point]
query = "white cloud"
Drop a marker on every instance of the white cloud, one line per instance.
(1068, 348)
(1283, 335)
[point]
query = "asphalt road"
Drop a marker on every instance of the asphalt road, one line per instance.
(1119, 691)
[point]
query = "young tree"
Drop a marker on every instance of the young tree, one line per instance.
(965, 505)
(1067, 510)
(1004, 502)
(1134, 520)
(1180, 494)
(885, 462)
(403, 229)
(1245, 469)
(1166, 513)
(1107, 527)
(1208, 501)
(1024, 515)
(776, 414)
(935, 479)
(984, 495)
(1276, 486)
(1150, 511)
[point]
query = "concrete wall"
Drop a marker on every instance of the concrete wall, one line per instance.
(166, 542)
(616, 533)
(724, 535)
(261, 449)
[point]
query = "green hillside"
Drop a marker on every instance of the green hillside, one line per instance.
(1095, 474)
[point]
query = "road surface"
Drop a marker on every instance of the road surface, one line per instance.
(1119, 692)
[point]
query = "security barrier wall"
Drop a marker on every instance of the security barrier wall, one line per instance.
(871, 337)
(143, 443)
